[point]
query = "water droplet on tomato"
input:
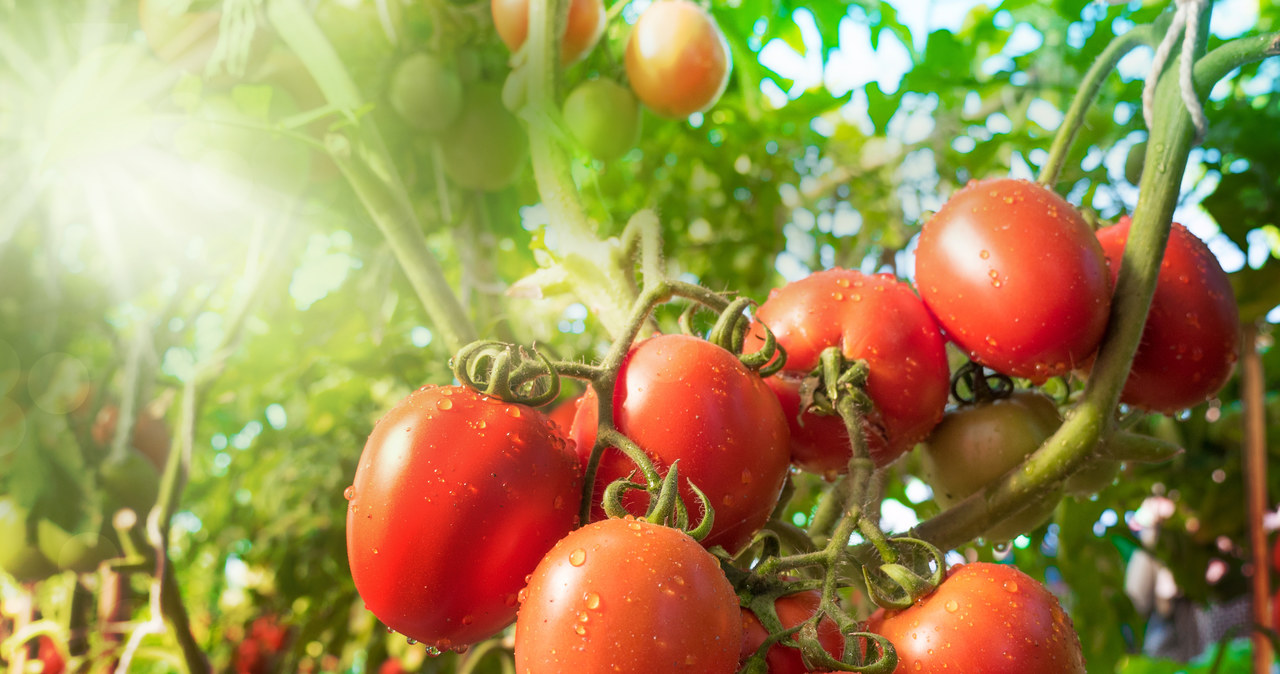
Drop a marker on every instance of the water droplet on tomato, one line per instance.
(951, 606)
(411, 641)
(592, 600)
(444, 404)
(583, 617)
(746, 476)
(349, 493)
(578, 557)
(433, 652)
(579, 629)
(1011, 586)
(468, 619)
(558, 502)
(513, 412)
(986, 254)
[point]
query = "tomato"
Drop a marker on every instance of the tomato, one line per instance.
(792, 609)
(1133, 162)
(988, 618)
(151, 435)
(50, 656)
(486, 146)
(604, 116)
(677, 59)
(875, 318)
(426, 92)
(564, 413)
(684, 398)
(976, 444)
(263, 648)
(582, 32)
(456, 497)
(19, 556)
(1191, 339)
(624, 595)
(1015, 277)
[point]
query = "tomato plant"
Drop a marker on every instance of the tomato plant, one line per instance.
(185, 38)
(988, 618)
(151, 435)
(604, 116)
(976, 444)
(686, 399)
(1015, 277)
(793, 609)
(426, 92)
(20, 557)
(456, 498)
(625, 595)
(486, 147)
(874, 318)
(582, 31)
(677, 59)
(1192, 335)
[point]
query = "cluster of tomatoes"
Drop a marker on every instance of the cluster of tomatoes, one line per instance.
(464, 512)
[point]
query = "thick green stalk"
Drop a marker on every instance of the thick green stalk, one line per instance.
(1092, 419)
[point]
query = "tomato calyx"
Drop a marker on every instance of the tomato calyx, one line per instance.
(505, 371)
(730, 333)
(665, 506)
(913, 569)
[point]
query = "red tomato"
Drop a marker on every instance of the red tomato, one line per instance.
(564, 412)
(683, 398)
(677, 59)
(624, 595)
(873, 318)
(1015, 277)
(1192, 335)
(988, 618)
(51, 657)
(456, 498)
(976, 444)
(582, 32)
(792, 609)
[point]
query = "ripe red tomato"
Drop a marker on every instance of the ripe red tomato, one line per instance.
(875, 318)
(988, 618)
(1192, 335)
(486, 146)
(792, 609)
(684, 398)
(624, 595)
(1015, 277)
(582, 32)
(456, 498)
(50, 656)
(677, 59)
(976, 444)
(564, 413)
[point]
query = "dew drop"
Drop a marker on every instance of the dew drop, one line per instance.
(985, 254)
(1011, 586)
(951, 606)
(579, 629)
(411, 641)
(468, 619)
(444, 404)
(746, 476)
(513, 412)
(349, 493)
(578, 557)
(433, 652)
(592, 600)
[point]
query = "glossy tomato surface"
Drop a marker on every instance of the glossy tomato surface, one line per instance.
(987, 619)
(627, 596)
(582, 32)
(1015, 277)
(976, 444)
(793, 609)
(1191, 339)
(677, 59)
(875, 318)
(456, 497)
(684, 398)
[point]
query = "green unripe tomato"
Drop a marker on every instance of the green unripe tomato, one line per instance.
(604, 116)
(132, 483)
(19, 555)
(1133, 162)
(486, 147)
(426, 92)
(1093, 478)
(80, 549)
(976, 444)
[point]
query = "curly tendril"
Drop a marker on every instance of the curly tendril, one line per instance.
(507, 372)
(982, 387)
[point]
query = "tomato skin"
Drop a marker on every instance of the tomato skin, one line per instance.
(677, 59)
(875, 318)
(564, 413)
(1012, 273)
(486, 146)
(1190, 342)
(988, 618)
(625, 595)
(976, 444)
(582, 32)
(684, 398)
(604, 116)
(456, 497)
(792, 609)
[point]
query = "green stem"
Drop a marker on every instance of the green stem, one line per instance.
(1091, 421)
(1088, 93)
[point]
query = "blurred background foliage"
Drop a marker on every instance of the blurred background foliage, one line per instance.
(168, 215)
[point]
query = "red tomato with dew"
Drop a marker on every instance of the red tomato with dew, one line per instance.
(1015, 277)
(456, 497)
(875, 318)
(1191, 340)
(684, 398)
(564, 413)
(793, 609)
(628, 596)
(988, 618)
